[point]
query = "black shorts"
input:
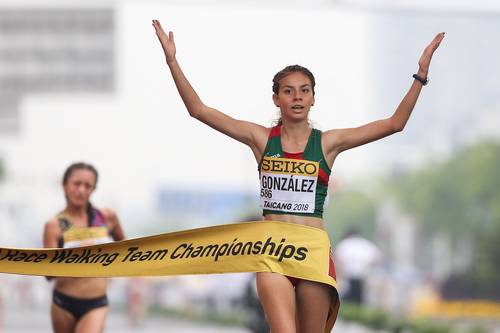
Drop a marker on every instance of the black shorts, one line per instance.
(78, 307)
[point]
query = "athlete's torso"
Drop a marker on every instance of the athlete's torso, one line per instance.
(294, 185)
(96, 232)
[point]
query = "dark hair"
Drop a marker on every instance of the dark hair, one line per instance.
(79, 166)
(82, 166)
(292, 69)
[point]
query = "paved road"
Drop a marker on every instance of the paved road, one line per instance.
(37, 321)
(29, 320)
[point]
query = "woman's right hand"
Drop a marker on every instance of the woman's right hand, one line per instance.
(167, 41)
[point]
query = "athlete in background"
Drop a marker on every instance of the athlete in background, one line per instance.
(80, 305)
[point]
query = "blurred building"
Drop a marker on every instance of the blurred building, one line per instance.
(53, 50)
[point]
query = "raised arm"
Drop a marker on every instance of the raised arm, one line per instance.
(246, 132)
(338, 140)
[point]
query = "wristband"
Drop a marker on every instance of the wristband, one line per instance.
(421, 79)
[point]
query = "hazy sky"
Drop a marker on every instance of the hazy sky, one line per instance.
(141, 136)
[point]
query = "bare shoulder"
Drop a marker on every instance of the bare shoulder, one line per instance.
(330, 134)
(52, 224)
(260, 137)
(255, 129)
(331, 138)
(111, 217)
(332, 143)
(113, 223)
(262, 134)
(51, 232)
(109, 214)
(262, 130)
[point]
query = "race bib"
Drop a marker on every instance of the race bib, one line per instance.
(288, 185)
(76, 237)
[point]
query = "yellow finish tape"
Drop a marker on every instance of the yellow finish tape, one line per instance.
(260, 246)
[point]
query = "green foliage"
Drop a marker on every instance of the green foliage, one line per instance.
(459, 196)
(380, 320)
(427, 326)
(350, 209)
(369, 317)
(2, 169)
(487, 263)
(477, 330)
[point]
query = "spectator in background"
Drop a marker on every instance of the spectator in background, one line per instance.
(137, 294)
(355, 256)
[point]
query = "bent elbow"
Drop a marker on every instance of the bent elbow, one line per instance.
(197, 111)
(396, 125)
(398, 128)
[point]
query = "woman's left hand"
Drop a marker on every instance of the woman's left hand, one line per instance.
(425, 59)
(166, 40)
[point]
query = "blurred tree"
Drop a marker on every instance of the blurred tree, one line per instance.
(458, 196)
(461, 198)
(2, 170)
(350, 208)
(487, 258)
